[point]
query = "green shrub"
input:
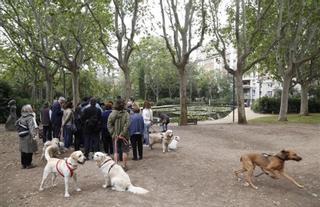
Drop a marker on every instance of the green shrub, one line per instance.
(272, 105)
(314, 105)
(168, 101)
(5, 97)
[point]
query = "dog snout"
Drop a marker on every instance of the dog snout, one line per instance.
(298, 158)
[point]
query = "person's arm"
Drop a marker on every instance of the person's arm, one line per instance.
(32, 127)
(110, 125)
(126, 125)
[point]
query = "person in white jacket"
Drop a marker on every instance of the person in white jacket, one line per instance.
(147, 119)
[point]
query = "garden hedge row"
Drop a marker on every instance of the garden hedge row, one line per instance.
(272, 105)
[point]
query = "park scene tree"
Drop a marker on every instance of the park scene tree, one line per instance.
(125, 48)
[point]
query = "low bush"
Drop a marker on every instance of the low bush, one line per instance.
(272, 105)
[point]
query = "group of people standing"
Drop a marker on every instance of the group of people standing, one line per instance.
(114, 125)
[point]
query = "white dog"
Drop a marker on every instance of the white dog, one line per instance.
(164, 138)
(174, 143)
(57, 148)
(114, 175)
(64, 167)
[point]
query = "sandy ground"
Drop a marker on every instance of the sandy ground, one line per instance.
(199, 173)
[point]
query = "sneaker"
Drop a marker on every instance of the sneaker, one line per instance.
(23, 167)
(134, 159)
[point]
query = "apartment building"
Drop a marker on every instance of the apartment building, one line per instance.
(254, 85)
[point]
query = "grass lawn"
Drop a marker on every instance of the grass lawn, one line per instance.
(292, 118)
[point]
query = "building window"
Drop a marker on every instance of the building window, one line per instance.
(269, 93)
(270, 85)
(253, 93)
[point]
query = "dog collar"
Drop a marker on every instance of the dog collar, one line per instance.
(105, 162)
(70, 169)
(280, 158)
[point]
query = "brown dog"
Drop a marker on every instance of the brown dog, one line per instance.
(272, 165)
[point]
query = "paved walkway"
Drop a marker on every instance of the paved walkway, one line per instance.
(229, 119)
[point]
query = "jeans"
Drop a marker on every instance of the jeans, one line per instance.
(107, 142)
(136, 142)
(146, 134)
(67, 136)
(91, 143)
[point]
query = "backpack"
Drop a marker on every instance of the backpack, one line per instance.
(23, 130)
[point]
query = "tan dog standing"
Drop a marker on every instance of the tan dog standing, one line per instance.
(164, 138)
(66, 168)
(272, 165)
(57, 148)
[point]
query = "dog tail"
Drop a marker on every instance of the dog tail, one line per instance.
(47, 152)
(137, 190)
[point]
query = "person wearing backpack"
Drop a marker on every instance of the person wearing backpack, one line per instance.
(92, 122)
(27, 136)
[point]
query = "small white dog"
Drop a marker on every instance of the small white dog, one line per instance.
(114, 175)
(64, 167)
(57, 148)
(174, 143)
(164, 138)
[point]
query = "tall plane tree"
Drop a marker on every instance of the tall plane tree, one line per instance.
(181, 43)
(123, 30)
(248, 24)
(299, 43)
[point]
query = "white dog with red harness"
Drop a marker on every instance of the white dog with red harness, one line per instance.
(114, 175)
(66, 168)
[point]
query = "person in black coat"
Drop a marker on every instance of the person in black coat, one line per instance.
(56, 117)
(91, 121)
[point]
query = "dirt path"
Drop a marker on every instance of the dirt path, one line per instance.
(200, 173)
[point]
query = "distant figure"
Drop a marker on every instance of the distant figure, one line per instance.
(45, 118)
(92, 122)
(27, 136)
(147, 118)
(129, 105)
(56, 117)
(164, 121)
(105, 134)
(12, 118)
(136, 130)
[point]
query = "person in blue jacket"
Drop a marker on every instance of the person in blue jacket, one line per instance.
(136, 130)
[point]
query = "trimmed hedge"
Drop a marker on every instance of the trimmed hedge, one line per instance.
(272, 105)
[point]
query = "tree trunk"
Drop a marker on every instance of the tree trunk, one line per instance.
(49, 89)
(127, 80)
(304, 110)
(75, 76)
(284, 97)
(240, 98)
(183, 96)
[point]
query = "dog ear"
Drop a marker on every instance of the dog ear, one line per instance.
(284, 151)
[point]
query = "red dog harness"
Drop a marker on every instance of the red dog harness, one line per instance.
(70, 169)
